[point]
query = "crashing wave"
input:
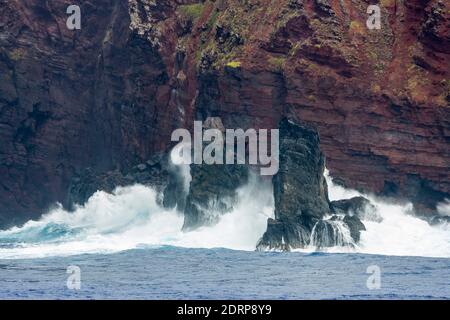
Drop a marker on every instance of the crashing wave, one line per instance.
(131, 217)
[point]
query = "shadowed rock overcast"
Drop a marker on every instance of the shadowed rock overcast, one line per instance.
(107, 97)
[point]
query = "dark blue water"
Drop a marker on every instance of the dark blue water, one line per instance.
(177, 273)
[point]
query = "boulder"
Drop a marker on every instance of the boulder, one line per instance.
(212, 192)
(331, 232)
(284, 235)
(355, 226)
(357, 206)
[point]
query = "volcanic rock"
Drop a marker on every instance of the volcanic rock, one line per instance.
(109, 95)
(357, 206)
(302, 209)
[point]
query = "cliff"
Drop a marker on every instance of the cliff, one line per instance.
(109, 95)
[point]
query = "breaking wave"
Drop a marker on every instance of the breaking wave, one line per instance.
(131, 217)
(398, 231)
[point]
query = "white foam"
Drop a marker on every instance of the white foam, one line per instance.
(399, 233)
(131, 218)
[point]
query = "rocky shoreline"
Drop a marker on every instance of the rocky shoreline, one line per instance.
(304, 215)
(100, 102)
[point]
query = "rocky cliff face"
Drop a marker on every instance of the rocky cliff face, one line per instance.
(99, 97)
(109, 95)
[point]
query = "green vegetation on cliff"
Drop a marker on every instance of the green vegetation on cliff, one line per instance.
(192, 11)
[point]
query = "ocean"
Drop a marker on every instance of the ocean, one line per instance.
(182, 273)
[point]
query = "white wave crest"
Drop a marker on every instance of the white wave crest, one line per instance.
(130, 217)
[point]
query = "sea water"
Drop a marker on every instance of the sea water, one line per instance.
(127, 246)
(186, 273)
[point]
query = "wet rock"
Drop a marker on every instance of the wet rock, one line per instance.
(274, 237)
(175, 193)
(302, 211)
(357, 206)
(86, 183)
(300, 190)
(284, 235)
(330, 233)
(355, 226)
(213, 187)
(155, 160)
(212, 192)
(299, 186)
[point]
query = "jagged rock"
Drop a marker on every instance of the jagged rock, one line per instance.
(300, 190)
(175, 193)
(274, 237)
(281, 235)
(299, 186)
(212, 192)
(355, 226)
(88, 182)
(301, 198)
(85, 184)
(330, 233)
(357, 206)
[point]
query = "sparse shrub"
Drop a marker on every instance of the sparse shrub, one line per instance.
(234, 64)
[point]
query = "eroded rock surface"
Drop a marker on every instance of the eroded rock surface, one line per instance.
(109, 95)
(303, 216)
(357, 206)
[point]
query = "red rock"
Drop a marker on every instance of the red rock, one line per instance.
(109, 95)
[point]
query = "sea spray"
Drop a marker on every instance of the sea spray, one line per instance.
(330, 232)
(130, 217)
(399, 232)
(443, 208)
